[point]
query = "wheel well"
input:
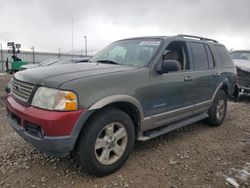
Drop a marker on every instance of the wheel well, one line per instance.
(130, 109)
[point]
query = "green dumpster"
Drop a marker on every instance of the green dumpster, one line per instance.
(15, 65)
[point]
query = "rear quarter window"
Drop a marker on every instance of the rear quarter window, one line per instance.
(210, 57)
(224, 56)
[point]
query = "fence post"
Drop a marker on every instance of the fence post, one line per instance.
(1, 55)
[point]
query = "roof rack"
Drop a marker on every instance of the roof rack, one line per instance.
(196, 37)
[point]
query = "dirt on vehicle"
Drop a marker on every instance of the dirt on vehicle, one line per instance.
(194, 156)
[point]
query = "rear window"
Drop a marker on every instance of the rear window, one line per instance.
(224, 55)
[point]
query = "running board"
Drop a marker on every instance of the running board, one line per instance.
(148, 135)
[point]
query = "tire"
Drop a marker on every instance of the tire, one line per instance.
(217, 111)
(105, 156)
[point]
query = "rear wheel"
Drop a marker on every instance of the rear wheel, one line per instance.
(218, 109)
(106, 142)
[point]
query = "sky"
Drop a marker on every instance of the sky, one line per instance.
(48, 24)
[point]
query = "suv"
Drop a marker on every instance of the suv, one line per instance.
(134, 89)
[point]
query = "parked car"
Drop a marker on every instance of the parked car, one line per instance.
(47, 62)
(53, 61)
(134, 89)
(242, 61)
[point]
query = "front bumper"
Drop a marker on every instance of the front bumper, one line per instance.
(48, 131)
(244, 91)
(243, 81)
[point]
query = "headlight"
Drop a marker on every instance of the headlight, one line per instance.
(54, 99)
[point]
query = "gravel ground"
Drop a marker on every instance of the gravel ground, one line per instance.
(194, 156)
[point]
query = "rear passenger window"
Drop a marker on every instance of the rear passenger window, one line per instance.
(199, 56)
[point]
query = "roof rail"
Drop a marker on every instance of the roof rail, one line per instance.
(196, 37)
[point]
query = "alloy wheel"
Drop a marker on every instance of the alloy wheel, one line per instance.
(111, 143)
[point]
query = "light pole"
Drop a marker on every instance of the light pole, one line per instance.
(86, 50)
(1, 55)
(33, 54)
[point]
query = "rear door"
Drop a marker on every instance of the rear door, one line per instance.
(205, 76)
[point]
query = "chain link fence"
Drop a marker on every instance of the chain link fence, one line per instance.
(35, 57)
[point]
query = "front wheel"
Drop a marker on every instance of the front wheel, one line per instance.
(218, 109)
(106, 142)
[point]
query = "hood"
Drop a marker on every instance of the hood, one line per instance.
(242, 64)
(54, 76)
(29, 66)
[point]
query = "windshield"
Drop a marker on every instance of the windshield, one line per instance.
(243, 55)
(133, 52)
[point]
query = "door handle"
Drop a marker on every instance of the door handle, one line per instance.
(188, 78)
(217, 74)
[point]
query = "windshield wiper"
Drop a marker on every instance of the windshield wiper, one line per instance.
(107, 61)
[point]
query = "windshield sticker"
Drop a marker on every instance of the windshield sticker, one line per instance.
(149, 43)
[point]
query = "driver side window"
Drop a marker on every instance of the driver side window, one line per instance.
(177, 51)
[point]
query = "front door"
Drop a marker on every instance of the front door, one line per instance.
(172, 93)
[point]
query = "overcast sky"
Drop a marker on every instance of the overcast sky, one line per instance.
(47, 24)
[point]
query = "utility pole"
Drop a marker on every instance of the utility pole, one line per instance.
(86, 50)
(1, 55)
(33, 54)
(72, 39)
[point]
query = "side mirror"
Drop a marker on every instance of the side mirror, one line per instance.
(168, 66)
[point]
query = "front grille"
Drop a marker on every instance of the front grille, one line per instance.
(22, 90)
(243, 78)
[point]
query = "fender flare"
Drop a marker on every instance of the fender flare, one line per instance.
(98, 105)
(118, 98)
(224, 82)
